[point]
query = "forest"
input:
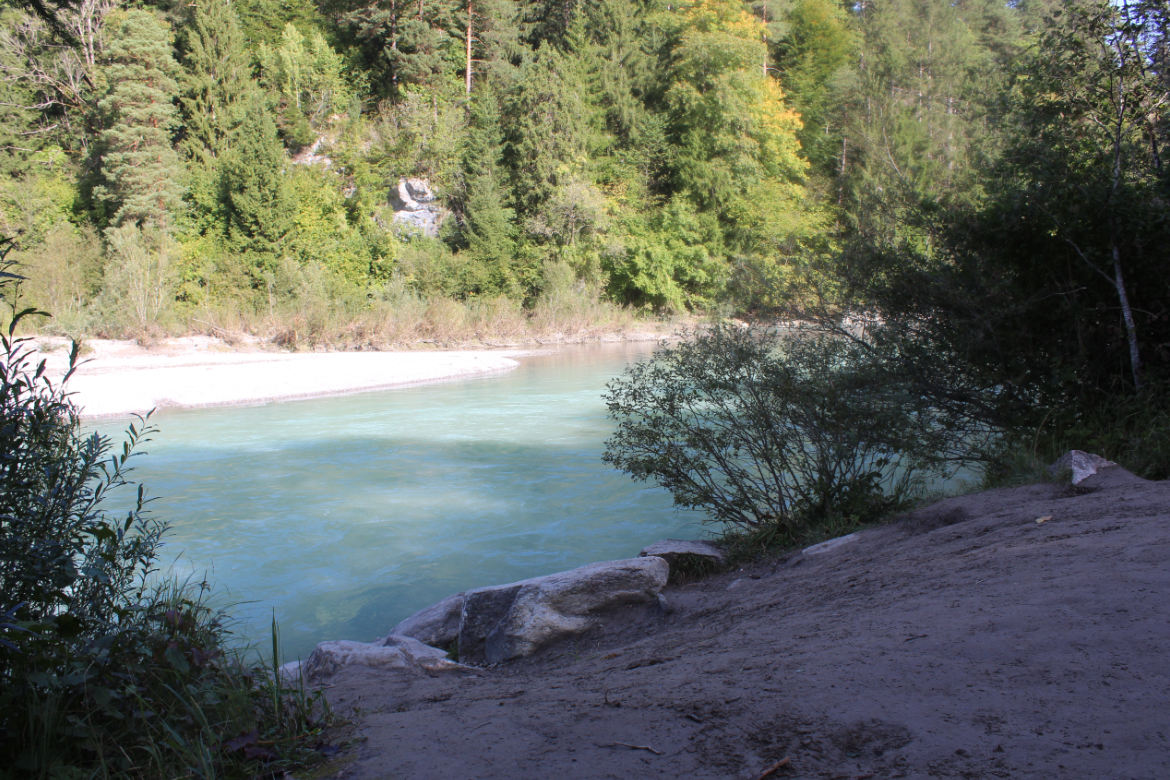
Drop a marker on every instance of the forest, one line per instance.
(982, 178)
(966, 201)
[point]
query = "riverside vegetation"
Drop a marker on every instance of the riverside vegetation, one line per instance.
(109, 668)
(964, 200)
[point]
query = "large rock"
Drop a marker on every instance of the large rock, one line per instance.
(437, 625)
(1082, 465)
(415, 207)
(676, 551)
(394, 653)
(517, 619)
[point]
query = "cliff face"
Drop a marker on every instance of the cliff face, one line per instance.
(965, 639)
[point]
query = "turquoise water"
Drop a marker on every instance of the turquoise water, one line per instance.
(346, 514)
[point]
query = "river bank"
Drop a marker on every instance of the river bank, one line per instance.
(117, 378)
(1012, 633)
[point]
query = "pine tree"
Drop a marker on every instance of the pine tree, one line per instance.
(551, 127)
(490, 227)
(217, 86)
(260, 207)
(141, 169)
(409, 43)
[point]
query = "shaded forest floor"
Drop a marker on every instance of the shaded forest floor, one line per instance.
(963, 640)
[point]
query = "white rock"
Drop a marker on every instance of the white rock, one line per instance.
(437, 625)
(394, 653)
(517, 619)
(830, 545)
(1082, 465)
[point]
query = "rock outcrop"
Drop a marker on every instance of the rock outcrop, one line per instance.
(437, 625)
(515, 620)
(398, 653)
(678, 551)
(503, 622)
(415, 208)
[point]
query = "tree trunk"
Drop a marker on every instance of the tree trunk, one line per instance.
(470, 30)
(1135, 358)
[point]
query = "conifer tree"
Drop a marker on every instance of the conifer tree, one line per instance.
(490, 227)
(409, 43)
(930, 68)
(551, 127)
(142, 171)
(259, 203)
(217, 86)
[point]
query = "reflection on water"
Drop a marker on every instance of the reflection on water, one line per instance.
(347, 514)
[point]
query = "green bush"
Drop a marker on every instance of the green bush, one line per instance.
(772, 434)
(107, 667)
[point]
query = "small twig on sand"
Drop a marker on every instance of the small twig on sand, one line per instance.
(770, 770)
(632, 747)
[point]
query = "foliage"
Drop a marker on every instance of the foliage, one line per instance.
(214, 97)
(816, 60)
(1084, 175)
(260, 206)
(984, 180)
(64, 271)
(1032, 304)
(143, 177)
(139, 280)
(727, 116)
(763, 430)
(307, 74)
(105, 667)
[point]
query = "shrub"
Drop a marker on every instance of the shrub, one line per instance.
(773, 434)
(106, 667)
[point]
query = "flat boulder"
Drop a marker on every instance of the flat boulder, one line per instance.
(392, 654)
(437, 625)
(677, 551)
(515, 620)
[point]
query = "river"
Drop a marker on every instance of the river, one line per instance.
(343, 515)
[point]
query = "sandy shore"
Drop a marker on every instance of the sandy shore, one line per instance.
(966, 640)
(119, 378)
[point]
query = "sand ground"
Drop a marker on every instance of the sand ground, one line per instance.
(965, 640)
(118, 378)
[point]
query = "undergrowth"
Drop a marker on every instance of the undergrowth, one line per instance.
(1130, 430)
(108, 667)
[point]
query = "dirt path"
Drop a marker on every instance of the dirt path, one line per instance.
(966, 640)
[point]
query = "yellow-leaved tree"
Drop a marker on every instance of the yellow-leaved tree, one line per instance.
(739, 159)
